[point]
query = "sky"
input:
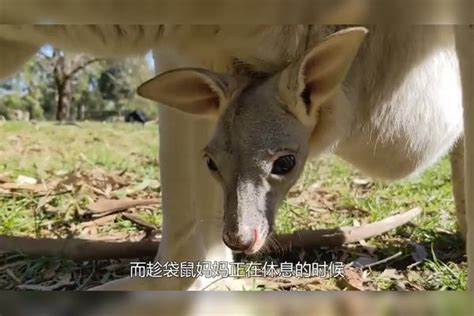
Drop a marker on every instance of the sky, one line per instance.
(48, 50)
(150, 61)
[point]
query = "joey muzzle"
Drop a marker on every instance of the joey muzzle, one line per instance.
(246, 239)
(242, 240)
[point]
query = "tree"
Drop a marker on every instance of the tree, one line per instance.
(55, 85)
(65, 70)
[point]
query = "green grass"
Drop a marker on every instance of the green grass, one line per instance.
(334, 198)
(431, 191)
(36, 149)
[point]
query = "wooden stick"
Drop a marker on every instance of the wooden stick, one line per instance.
(138, 221)
(109, 206)
(337, 237)
(80, 249)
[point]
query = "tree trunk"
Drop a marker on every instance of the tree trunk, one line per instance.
(81, 112)
(64, 101)
(63, 86)
(65, 69)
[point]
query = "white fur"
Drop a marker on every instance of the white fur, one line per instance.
(407, 120)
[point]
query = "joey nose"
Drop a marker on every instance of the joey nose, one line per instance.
(239, 241)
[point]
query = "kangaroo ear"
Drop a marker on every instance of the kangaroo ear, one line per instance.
(191, 90)
(313, 79)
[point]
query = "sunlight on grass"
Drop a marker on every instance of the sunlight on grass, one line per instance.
(332, 198)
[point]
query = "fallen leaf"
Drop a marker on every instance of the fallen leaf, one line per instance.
(13, 276)
(64, 281)
(108, 190)
(51, 271)
(61, 173)
(37, 188)
(4, 178)
(413, 276)
(118, 180)
(286, 283)
(361, 181)
(107, 205)
(83, 157)
(400, 285)
(146, 183)
(352, 279)
(314, 197)
(391, 274)
(139, 221)
(43, 201)
(97, 222)
(25, 180)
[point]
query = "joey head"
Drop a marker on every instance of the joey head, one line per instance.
(264, 128)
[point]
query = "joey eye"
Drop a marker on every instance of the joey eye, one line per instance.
(284, 164)
(211, 164)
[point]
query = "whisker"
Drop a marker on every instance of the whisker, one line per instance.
(275, 245)
(270, 246)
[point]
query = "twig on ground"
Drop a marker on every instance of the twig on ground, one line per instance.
(78, 249)
(384, 260)
(288, 283)
(337, 237)
(138, 221)
(111, 206)
(98, 221)
(33, 194)
(70, 123)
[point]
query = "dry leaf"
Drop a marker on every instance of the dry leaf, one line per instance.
(139, 221)
(413, 277)
(4, 178)
(146, 183)
(61, 173)
(352, 279)
(40, 187)
(25, 180)
(97, 222)
(107, 206)
(314, 198)
(64, 281)
(361, 181)
(285, 283)
(51, 271)
(118, 180)
(391, 274)
(13, 275)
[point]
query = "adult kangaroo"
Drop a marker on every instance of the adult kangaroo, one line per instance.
(392, 107)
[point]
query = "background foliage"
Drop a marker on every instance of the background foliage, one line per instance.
(100, 89)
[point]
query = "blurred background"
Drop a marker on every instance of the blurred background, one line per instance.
(72, 87)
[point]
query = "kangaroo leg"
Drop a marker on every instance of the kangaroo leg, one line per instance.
(465, 50)
(191, 198)
(13, 55)
(457, 175)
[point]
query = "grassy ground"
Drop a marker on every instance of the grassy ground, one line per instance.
(96, 160)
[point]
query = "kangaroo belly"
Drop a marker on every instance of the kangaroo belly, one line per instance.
(405, 125)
